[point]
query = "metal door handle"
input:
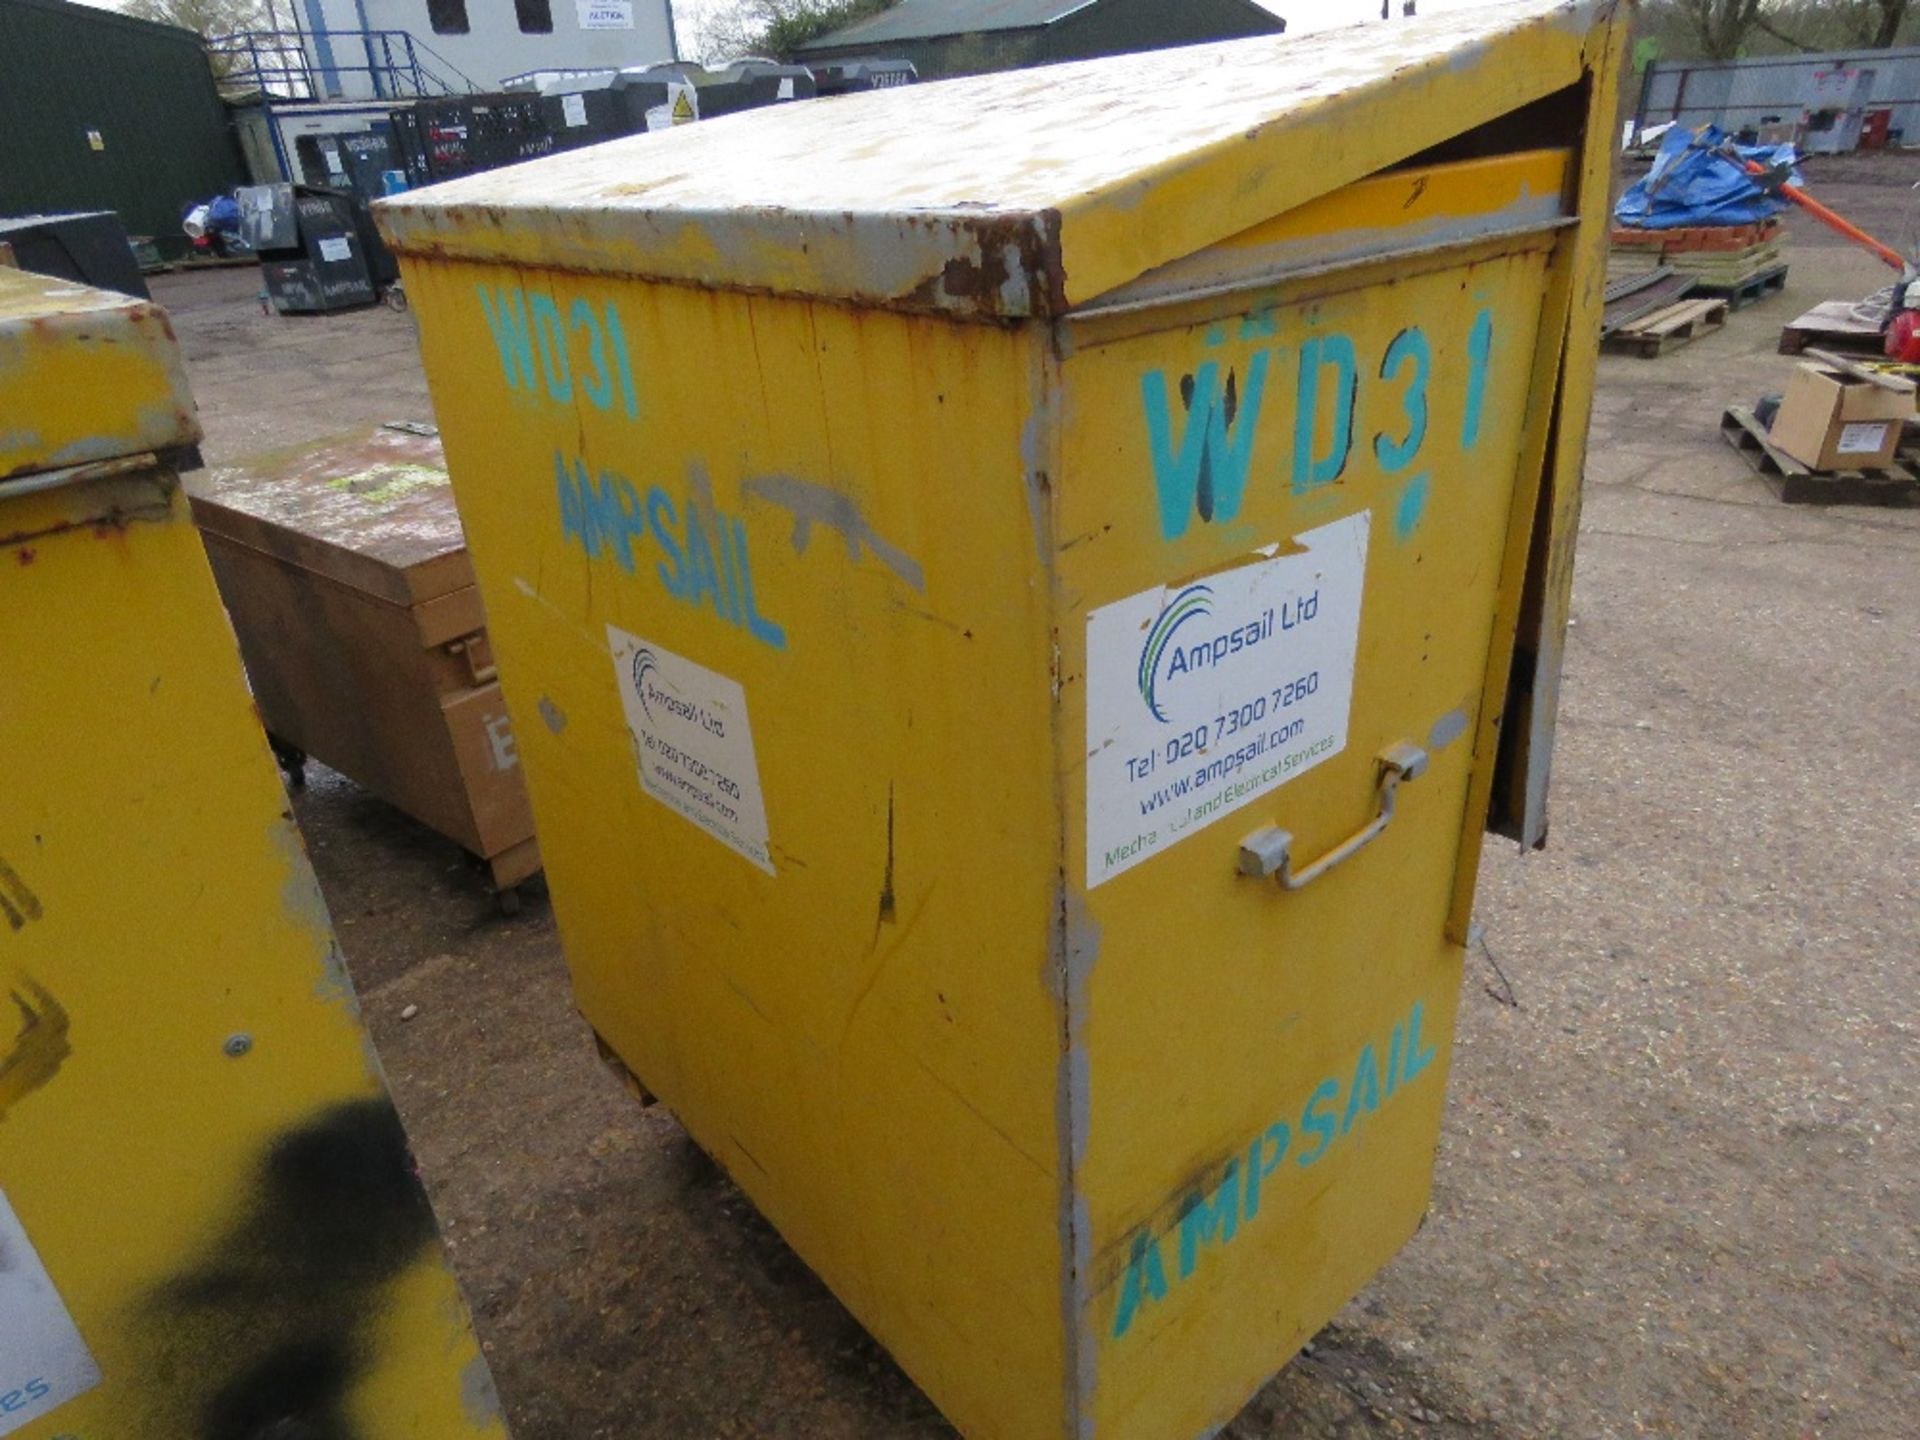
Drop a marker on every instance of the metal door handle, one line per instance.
(1269, 852)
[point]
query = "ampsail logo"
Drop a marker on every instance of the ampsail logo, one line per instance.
(1165, 659)
(1190, 603)
(643, 666)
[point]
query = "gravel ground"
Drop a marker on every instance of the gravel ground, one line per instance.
(1679, 1186)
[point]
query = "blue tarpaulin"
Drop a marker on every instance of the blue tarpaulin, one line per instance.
(1690, 184)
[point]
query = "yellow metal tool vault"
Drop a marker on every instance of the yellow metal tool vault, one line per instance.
(1019, 597)
(210, 1224)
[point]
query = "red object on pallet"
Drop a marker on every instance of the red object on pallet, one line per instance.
(1903, 337)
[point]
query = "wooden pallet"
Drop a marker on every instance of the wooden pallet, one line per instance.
(1744, 293)
(1795, 484)
(1831, 324)
(1634, 297)
(1711, 268)
(1654, 335)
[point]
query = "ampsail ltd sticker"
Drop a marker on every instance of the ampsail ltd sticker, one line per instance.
(693, 743)
(43, 1361)
(1204, 696)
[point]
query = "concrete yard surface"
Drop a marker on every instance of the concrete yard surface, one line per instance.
(1678, 1190)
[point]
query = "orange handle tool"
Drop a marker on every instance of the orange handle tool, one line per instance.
(1820, 212)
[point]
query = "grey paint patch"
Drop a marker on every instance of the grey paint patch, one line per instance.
(811, 504)
(1076, 948)
(1082, 950)
(552, 714)
(478, 1398)
(1470, 57)
(300, 895)
(1447, 729)
(1035, 436)
(1016, 289)
(1086, 1345)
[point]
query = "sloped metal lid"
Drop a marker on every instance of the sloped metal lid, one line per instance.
(373, 511)
(1024, 193)
(85, 376)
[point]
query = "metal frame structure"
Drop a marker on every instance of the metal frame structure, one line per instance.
(1789, 100)
(278, 65)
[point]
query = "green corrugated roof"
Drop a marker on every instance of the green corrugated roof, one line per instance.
(925, 19)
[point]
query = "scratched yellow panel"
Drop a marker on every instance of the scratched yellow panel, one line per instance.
(850, 1006)
(85, 375)
(880, 550)
(210, 1218)
(1273, 1064)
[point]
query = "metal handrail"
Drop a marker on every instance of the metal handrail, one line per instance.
(279, 64)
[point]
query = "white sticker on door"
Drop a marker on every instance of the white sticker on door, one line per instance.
(1204, 696)
(692, 742)
(43, 1361)
(335, 248)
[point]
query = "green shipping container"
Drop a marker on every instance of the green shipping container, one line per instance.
(103, 112)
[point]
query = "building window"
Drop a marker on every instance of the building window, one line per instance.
(536, 16)
(448, 17)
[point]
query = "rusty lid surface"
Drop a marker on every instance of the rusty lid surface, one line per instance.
(86, 376)
(374, 511)
(1014, 194)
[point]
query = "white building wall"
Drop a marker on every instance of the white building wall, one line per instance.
(622, 32)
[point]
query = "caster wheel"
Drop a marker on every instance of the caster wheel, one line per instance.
(292, 761)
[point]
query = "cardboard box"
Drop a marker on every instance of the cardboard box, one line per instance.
(1840, 416)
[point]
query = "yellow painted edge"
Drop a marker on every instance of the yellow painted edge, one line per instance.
(1114, 236)
(1089, 329)
(1456, 189)
(1566, 477)
(1566, 360)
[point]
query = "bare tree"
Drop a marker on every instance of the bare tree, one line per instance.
(773, 28)
(204, 17)
(1811, 26)
(1892, 13)
(1719, 25)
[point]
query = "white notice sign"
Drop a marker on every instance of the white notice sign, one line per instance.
(605, 14)
(692, 742)
(573, 109)
(335, 247)
(682, 107)
(43, 1361)
(1862, 437)
(1205, 696)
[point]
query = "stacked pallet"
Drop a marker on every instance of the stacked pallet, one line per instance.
(1651, 336)
(1650, 313)
(1736, 263)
